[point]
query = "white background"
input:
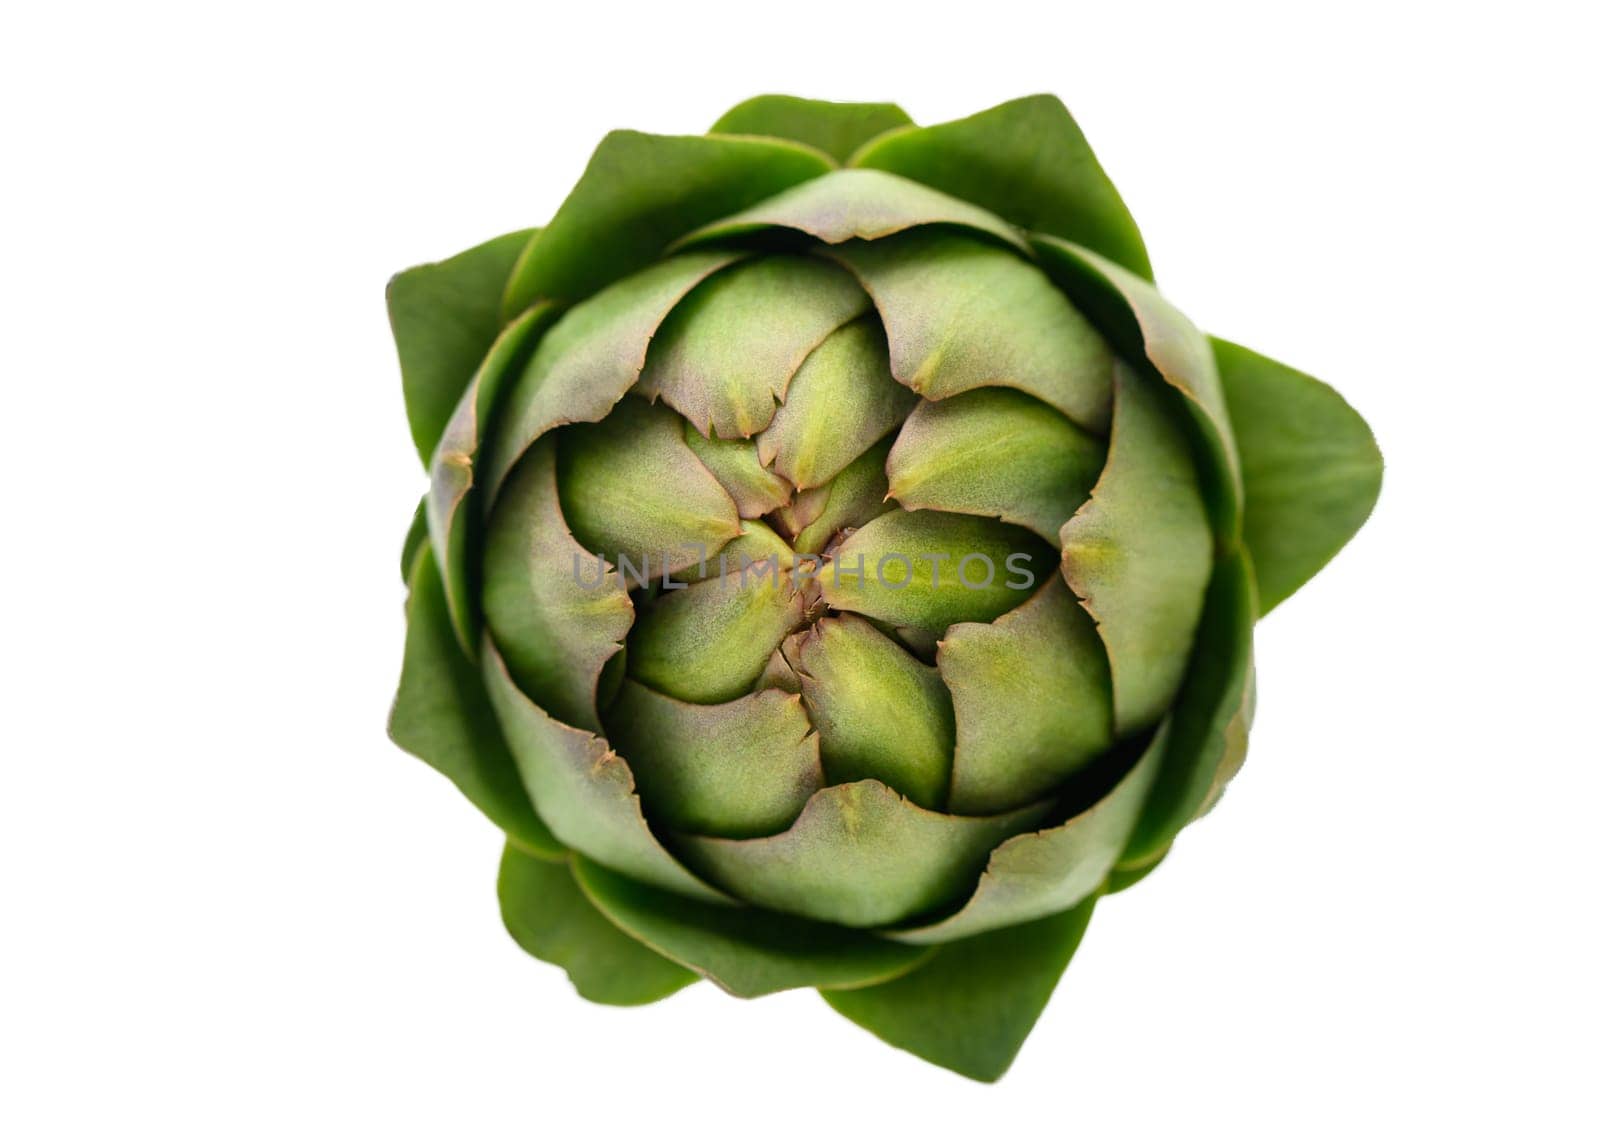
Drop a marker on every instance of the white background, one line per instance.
(229, 903)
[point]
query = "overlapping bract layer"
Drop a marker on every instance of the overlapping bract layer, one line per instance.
(844, 562)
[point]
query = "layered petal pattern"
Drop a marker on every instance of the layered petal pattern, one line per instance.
(840, 561)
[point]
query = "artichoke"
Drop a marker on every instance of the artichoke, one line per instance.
(839, 562)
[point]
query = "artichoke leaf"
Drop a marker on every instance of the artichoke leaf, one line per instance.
(745, 951)
(556, 616)
(1310, 465)
(859, 855)
(856, 204)
(455, 526)
(963, 313)
(881, 714)
(1026, 160)
(1013, 744)
(1209, 718)
(631, 487)
(639, 193)
(710, 641)
(838, 129)
(842, 401)
(582, 789)
(972, 1005)
(995, 452)
(592, 357)
(1138, 554)
(929, 569)
(442, 715)
(1042, 873)
(725, 356)
(444, 317)
(1142, 324)
(739, 769)
(551, 919)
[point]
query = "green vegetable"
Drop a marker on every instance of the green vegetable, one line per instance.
(840, 562)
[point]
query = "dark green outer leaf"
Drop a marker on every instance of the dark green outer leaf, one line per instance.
(442, 715)
(416, 539)
(836, 128)
(548, 915)
(747, 952)
(1310, 464)
(1203, 718)
(1026, 160)
(444, 317)
(641, 192)
(970, 1008)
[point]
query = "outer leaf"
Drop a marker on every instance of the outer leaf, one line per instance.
(1026, 160)
(583, 790)
(549, 916)
(857, 204)
(836, 128)
(1139, 553)
(1311, 468)
(444, 317)
(859, 855)
(593, 356)
(416, 539)
(1042, 873)
(455, 525)
(970, 1008)
(1140, 322)
(556, 616)
(1204, 719)
(641, 192)
(442, 715)
(746, 952)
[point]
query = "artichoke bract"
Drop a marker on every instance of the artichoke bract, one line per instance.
(839, 563)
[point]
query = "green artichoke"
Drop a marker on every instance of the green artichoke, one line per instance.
(839, 563)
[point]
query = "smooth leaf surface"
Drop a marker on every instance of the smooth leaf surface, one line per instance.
(725, 356)
(550, 918)
(444, 316)
(1032, 699)
(454, 524)
(442, 715)
(1142, 324)
(1026, 160)
(556, 615)
(1311, 468)
(836, 128)
(962, 313)
(970, 1008)
(859, 855)
(857, 204)
(1139, 552)
(593, 356)
(1044, 872)
(1203, 721)
(739, 769)
(747, 952)
(880, 713)
(641, 192)
(582, 789)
